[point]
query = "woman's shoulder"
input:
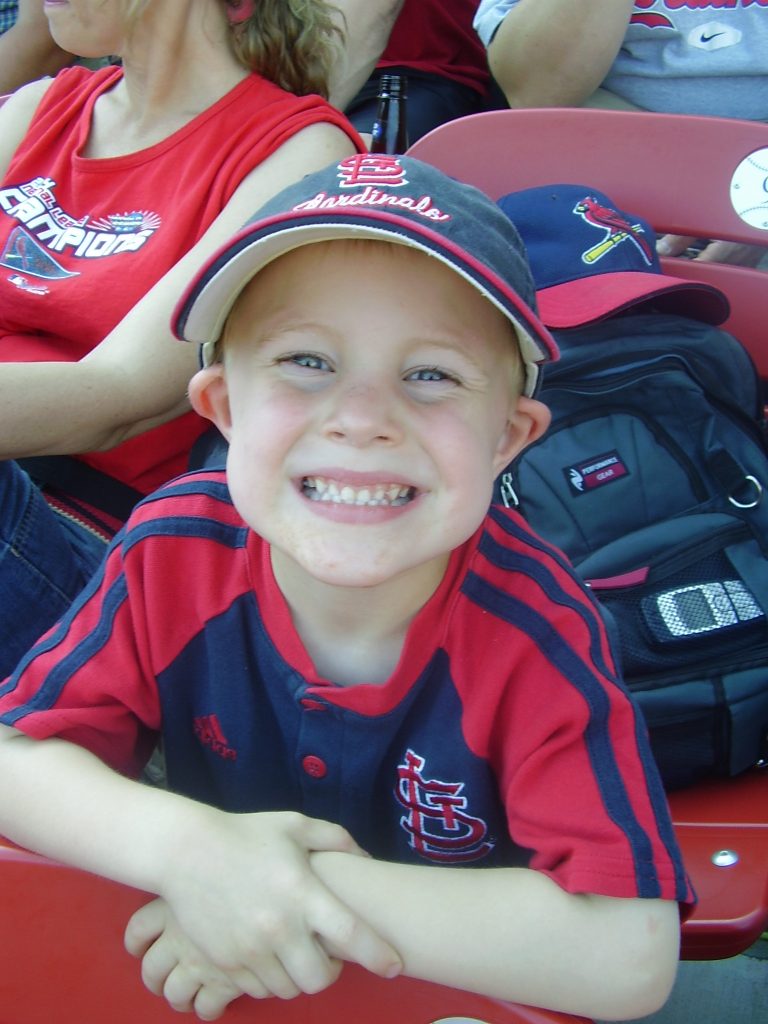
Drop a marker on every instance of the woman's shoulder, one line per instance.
(76, 81)
(68, 91)
(16, 115)
(49, 102)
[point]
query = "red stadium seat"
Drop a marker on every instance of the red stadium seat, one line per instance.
(722, 827)
(686, 176)
(63, 962)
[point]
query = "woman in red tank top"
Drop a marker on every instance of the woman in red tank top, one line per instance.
(114, 186)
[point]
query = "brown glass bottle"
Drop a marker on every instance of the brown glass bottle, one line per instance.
(390, 129)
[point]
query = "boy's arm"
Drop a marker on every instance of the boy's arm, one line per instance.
(240, 885)
(552, 53)
(513, 933)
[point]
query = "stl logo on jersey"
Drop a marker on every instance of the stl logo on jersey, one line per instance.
(438, 825)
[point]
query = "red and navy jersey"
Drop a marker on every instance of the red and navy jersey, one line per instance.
(502, 737)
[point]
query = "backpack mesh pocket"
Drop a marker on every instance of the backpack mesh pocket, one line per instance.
(700, 611)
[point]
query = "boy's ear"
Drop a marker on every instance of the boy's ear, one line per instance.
(209, 396)
(528, 421)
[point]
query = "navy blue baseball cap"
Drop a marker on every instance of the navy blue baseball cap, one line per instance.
(591, 260)
(389, 198)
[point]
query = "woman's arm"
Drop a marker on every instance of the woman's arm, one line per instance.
(552, 53)
(512, 933)
(137, 377)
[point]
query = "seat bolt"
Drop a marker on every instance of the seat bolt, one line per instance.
(725, 858)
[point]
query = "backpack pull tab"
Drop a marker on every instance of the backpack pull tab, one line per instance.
(508, 495)
(757, 490)
(733, 481)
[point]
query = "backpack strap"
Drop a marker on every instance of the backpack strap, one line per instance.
(79, 480)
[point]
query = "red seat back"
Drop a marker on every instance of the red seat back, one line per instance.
(676, 172)
(63, 962)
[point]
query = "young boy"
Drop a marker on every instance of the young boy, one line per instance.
(351, 649)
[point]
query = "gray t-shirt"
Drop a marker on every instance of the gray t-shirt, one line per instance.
(683, 56)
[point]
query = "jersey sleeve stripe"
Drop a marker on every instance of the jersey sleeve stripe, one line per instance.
(59, 631)
(58, 677)
(684, 892)
(602, 757)
(514, 527)
(199, 527)
(192, 484)
(515, 561)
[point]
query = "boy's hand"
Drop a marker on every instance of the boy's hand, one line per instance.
(171, 966)
(245, 895)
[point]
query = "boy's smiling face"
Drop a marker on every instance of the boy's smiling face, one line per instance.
(370, 397)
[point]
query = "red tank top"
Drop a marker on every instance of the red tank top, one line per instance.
(82, 240)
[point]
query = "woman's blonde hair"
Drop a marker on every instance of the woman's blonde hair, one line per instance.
(293, 43)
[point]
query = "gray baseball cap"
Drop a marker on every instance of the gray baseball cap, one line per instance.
(390, 198)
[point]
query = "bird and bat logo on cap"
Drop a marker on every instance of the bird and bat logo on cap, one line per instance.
(617, 229)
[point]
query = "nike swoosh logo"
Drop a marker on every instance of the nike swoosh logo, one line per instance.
(708, 39)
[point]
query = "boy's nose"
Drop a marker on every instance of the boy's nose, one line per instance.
(361, 414)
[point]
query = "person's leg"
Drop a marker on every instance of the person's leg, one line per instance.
(45, 560)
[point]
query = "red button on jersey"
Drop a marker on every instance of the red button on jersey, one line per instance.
(314, 766)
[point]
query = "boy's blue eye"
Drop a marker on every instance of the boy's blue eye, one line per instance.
(430, 373)
(306, 359)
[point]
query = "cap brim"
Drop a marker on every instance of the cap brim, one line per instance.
(587, 300)
(204, 307)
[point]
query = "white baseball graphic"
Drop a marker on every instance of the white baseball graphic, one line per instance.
(459, 1020)
(749, 189)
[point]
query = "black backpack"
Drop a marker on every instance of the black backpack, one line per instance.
(653, 479)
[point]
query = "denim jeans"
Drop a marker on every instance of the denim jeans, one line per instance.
(45, 561)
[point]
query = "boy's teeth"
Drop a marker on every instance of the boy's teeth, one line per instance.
(318, 488)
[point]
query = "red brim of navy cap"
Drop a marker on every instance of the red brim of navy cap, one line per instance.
(591, 260)
(585, 301)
